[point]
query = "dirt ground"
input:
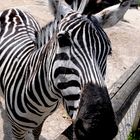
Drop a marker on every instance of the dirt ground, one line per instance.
(125, 38)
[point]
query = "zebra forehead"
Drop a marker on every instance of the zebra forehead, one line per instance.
(77, 21)
(77, 16)
(73, 15)
(70, 16)
(74, 23)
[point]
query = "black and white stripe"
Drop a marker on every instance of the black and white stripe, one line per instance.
(81, 58)
(36, 78)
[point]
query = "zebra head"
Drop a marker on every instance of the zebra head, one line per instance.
(107, 17)
(78, 67)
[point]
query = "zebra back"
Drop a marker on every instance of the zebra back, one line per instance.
(17, 33)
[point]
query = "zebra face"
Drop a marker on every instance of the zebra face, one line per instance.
(86, 47)
(80, 57)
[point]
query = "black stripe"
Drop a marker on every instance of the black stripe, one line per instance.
(31, 95)
(22, 16)
(71, 83)
(64, 70)
(72, 108)
(2, 21)
(39, 92)
(19, 99)
(43, 78)
(72, 97)
(61, 56)
(18, 117)
(31, 107)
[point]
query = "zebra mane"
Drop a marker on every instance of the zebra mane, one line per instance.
(44, 53)
(46, 33)
(75, 5)
(53, 4)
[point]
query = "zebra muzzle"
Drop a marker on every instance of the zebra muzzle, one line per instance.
(95, 119)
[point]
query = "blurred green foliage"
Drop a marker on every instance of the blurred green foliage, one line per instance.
(138, 2)
(134, 136)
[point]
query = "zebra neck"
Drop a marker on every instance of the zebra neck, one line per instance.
(37, 77)
(46, 33)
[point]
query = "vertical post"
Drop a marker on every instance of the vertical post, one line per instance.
(136, 122)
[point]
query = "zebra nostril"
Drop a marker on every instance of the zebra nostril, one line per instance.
(62, 16)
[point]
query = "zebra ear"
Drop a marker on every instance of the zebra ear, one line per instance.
(111, 15)
(64, 40)
(53, 4)
(59, 8)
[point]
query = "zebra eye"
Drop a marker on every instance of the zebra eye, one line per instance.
(64, 40)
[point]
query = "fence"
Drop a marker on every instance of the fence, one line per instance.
(125, 127)
(125, 95)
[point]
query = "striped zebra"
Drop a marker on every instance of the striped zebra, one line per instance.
(36, 79)
(106, 18)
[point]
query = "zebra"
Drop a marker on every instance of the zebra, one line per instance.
(35, 80)
(116, 11)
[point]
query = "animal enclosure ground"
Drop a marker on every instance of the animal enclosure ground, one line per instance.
(125, 38)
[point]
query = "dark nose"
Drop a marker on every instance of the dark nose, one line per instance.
(95, 119)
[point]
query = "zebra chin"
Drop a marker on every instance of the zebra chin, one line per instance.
(95, 118)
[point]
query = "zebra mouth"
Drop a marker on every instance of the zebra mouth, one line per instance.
(95, 118)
